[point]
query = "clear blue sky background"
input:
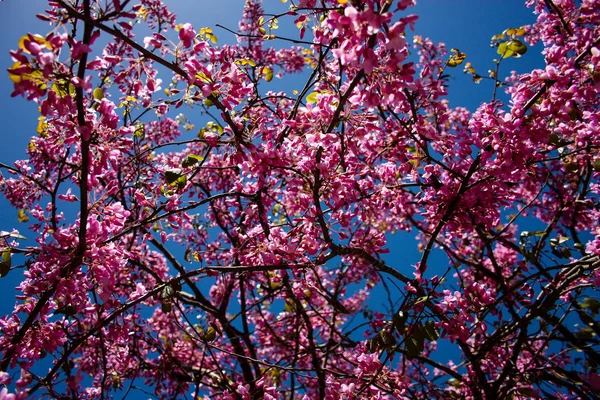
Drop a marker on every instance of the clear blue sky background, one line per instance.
(464, 24)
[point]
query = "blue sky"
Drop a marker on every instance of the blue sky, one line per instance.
(465, 24)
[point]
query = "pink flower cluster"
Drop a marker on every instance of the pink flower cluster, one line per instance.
(240, 250)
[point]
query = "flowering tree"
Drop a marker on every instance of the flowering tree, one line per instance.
(234, 260)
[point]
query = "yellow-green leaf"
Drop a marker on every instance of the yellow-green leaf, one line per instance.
(312, 97)
(456, 58)
(22, 215)
(512, 48)
(190, 160)
(63, 89)
(36, 76)
(515, 32)
(246, 61)
(504, 51)
(213, 126)
(98, 94)
(210, 334)
(166, 306)
(571, 167)
(517, 47)
(140, 131)
(37, 38)
(399, 320)
(268, 73)
(469, 69)
(203, 77)
(172, 176)
(42, 128)
(5, 263)
(431, 331)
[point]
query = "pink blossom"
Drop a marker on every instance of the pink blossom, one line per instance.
(255, 220)
(187, 35)
(4, 395)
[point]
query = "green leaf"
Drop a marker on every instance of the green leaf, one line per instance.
(585, 333)
(517, 47)
(172, 176)
(372, 345)
(558, 241)
(456, 58)
(191, 160)
(399, 320)
(140, 131)
(5, 264)
(592, 304)
(418, 332)
(210, 334)
(216, 328)
(415, 342)
(166, 306)
(22, 215)
(167, 193)
(555, 140)
(68, 310)
(62, 89)
(414, 346)
(268, 73)
(215, 127)
(246, 61)
(176, 178)
(387, 339)
(514, 32)
(503, 50)
(312, 97)
(98, 94)
(558, 249)
(181, 182)
(571, 167)
(526, 234)
(167, 293)
(431, 331)
(586, 319)
(4, 234)
(564, 253)
(176, 285)
(290, 305)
